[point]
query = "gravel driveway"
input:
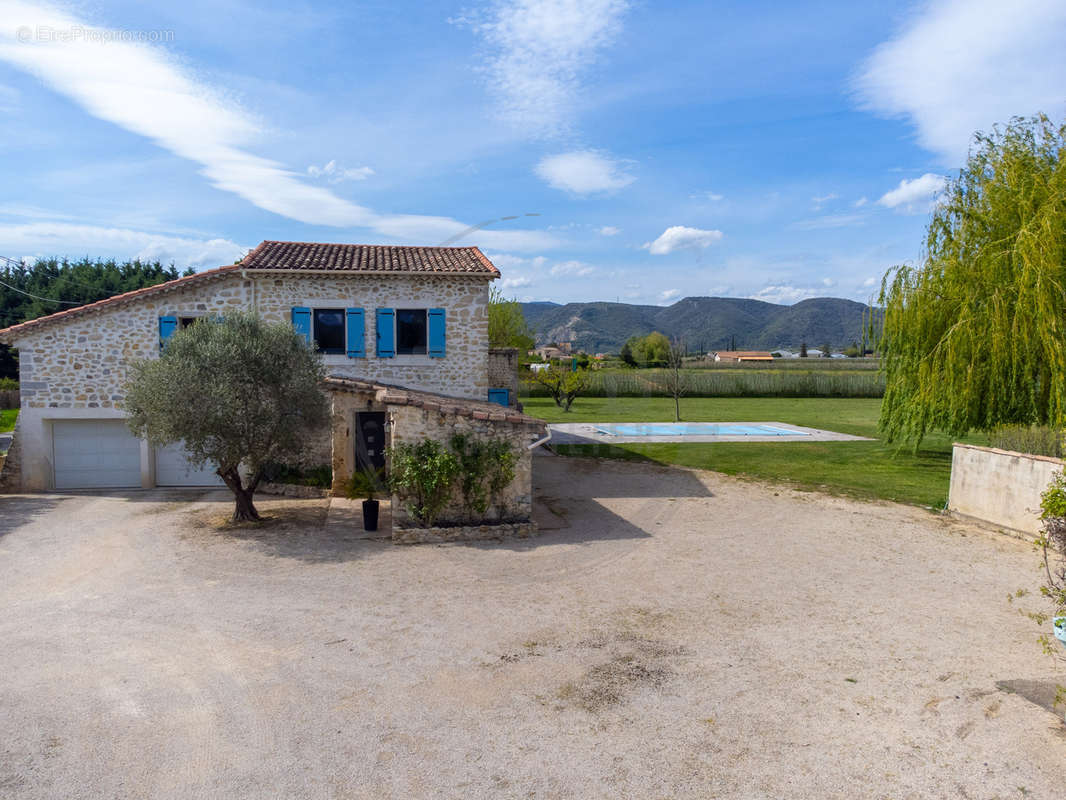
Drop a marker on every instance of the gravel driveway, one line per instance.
(670, 634)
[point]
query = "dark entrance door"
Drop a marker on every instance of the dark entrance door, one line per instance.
(370, 440)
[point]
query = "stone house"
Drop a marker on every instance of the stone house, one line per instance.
(403, 332)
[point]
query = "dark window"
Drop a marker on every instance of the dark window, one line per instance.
(411, 330)
(329, 330)
(185, 322)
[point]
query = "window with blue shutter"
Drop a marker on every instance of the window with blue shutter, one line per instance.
(167, 326)
(501, 396)
(436, 332)
(355, 336)
(386, 332)
(301, 321)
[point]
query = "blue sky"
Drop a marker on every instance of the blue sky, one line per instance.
(748, 149)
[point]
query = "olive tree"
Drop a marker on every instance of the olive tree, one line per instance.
(975, 336)
(563, 385)
(238, 392)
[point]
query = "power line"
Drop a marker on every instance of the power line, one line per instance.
(38, 297)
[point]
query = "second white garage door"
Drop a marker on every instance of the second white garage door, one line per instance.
(95, 454)
(172, 468)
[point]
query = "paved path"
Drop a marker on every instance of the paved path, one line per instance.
(670, 634)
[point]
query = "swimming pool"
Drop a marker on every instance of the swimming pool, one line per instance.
(693, 429)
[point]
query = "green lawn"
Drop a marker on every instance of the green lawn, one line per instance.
(7, 419)
(859, 469)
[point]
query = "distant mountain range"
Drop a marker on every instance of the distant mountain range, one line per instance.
(706, 323)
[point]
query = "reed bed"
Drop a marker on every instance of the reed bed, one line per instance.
(733, 383)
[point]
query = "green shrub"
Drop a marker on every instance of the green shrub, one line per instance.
(8, 385)
(486, 468)
(365, 484)
(1037, 440)
(423, 475)
(320, 475)
(503, 458)
(1052, 545)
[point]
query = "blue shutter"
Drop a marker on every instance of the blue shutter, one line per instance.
(435, 337)
(501, 396)
(386, 332)
(354, 333)
(301, 321)
(167, 326)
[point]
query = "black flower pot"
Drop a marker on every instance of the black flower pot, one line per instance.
(370, 515)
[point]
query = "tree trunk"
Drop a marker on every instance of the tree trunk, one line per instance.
(244, 508)
(677, 408)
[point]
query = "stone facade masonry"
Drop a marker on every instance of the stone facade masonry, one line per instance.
(78, 367)
(411, 424)
(503, 371)
(83, 362)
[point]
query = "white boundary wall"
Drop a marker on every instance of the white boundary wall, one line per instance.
(999, 487)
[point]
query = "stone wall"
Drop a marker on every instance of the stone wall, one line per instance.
(83, 362)
(463, 372)
(999, 487)
(463, 533)
(503, 371)
(411, 425)
(78, 367)
(344, 406)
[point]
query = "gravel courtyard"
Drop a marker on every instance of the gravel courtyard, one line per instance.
(670, 634)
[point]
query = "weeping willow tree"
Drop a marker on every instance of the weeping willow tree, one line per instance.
(974, 337)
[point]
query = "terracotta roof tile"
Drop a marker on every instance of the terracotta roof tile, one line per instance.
(369, 258)
(298, 256)
(118, 299)
(390, 394)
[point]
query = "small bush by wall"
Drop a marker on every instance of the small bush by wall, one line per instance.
(1036, 440)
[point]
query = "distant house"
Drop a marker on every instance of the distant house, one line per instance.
(736, 356)
(550, 352)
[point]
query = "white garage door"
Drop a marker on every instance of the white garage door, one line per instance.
(95, 454)
(172, 468)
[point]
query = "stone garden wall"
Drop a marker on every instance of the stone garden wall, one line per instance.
(1000, 487)
(411, 425)
(503, 371)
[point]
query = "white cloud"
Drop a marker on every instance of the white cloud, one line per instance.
(917, 194)
(577, 269)
(140, 88)
(713, 197)
(680, 237)
(45, 239)
(821, 201)
(869, 281)
(669, 294)
(784, 294)
(959, 66)
(583, 172)
(515, 283)
(860, 202)
(538, 50)
(504, 261)
(608, 230)
(335, 174)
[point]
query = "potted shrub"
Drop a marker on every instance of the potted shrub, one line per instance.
(366, 483)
